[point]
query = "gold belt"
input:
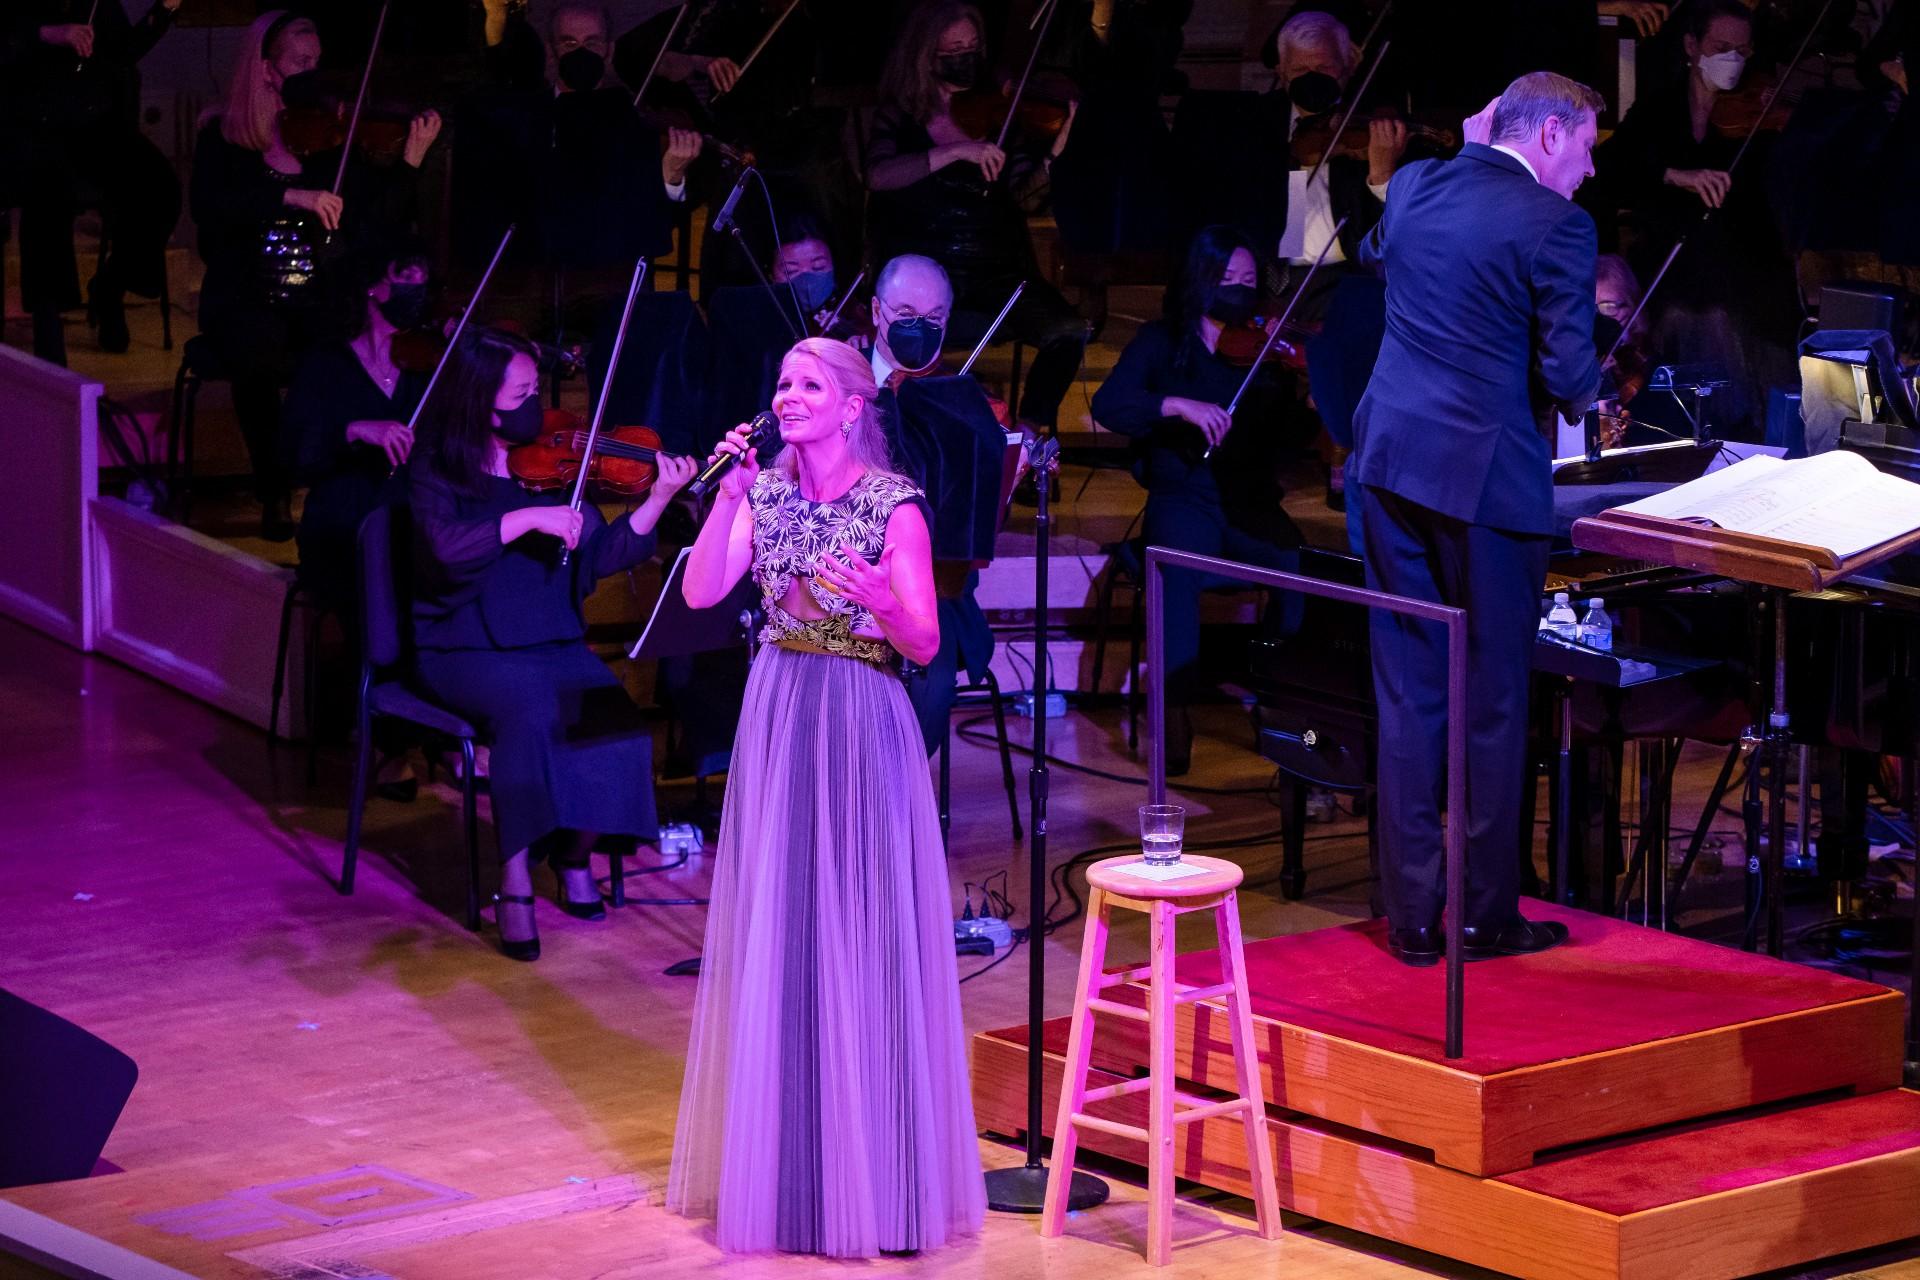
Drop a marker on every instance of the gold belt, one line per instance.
(863, 648)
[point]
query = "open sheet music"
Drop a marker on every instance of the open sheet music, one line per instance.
(1836, 500)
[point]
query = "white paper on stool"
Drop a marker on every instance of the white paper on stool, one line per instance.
(1170, 871)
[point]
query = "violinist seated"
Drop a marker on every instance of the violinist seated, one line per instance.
(803, 264)
(912, 306)
(942, 193)
(72, 99)
(1729, 299)
(1632, 413)
(564, 154)
(1250, 162)
(346, 415)
(1211, 478)
(501, 640)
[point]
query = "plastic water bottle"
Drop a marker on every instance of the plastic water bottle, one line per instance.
(1561, 618)
(1596, 628)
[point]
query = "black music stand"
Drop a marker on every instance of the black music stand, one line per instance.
(677, 630)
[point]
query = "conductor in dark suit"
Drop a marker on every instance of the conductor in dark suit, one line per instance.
(1489, 269)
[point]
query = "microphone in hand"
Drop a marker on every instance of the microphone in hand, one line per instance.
(761, 430)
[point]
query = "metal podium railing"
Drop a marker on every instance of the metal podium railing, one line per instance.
(1160, 559)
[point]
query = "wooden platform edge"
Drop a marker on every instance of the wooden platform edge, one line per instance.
(67, 1251)
(1386, 1191)
(1495, 1124)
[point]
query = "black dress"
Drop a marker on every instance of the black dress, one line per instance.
(500, 639)
(345, 480)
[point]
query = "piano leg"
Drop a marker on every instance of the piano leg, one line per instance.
(1563, 795)
(1778, 750)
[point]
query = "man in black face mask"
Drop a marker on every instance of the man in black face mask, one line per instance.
(566, 158)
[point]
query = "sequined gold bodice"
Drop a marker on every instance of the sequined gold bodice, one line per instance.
(791, 534)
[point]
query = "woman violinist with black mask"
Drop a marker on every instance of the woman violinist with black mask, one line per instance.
(938, 192)
(500, 638)
(1211, 478)
(347, 412)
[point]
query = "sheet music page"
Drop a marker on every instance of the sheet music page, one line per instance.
(1836, 500)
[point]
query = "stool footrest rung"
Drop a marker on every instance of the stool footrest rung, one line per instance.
(1108, 1092)
(1116, 1009)
(1187, 995)
(1123, 976)
(1203, 1109)
(1114, 1127)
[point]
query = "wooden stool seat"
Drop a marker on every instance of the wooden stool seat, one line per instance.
(1200, 884)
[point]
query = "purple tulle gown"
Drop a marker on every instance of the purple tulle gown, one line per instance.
(826, 1106)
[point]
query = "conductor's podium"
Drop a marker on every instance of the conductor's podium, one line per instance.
(1632, 1104)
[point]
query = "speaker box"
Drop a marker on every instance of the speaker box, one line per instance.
(61, 1090)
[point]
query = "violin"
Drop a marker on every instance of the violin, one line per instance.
(1031, 120)
(1242, 345)
(311, 130)
(623, 457)
(660, 120)
(1757, 106)
(1315, 140)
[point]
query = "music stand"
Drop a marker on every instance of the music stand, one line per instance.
(675, 629)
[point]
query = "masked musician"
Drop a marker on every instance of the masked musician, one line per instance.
(499, 635)
(74, 98)
(1211, 477)
(1489, 270)
(830, 897)
(937, 192)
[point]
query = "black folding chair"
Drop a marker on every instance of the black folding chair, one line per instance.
(384, 578)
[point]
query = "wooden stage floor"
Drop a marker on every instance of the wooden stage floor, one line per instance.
(168, 886)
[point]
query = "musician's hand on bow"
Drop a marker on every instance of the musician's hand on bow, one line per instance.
(1212, 419)
(391, 438)
(721, 73)
(735, 484)
(1711, 185)
(683, 148)
(1479, 126)
(77, 36)
(421, 131)
(990, 158)
(1895, 70)
(323, 205)
(845, 572)
(563, 523)
(1646, 17)
(1386, 144)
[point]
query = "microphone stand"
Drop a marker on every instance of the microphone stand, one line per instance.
(1024, 1189)
(733, 229)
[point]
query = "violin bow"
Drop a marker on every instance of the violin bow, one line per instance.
(853, 288)
(453, 339)
(1280, 325)
(994, 328)
(606, 392)
(360, 98)
(1353, 105)
(1706, 215)
(764, 41)
(80, 64)
(661, 52)
(1043, 20)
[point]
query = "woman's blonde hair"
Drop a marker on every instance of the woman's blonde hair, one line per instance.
(251, 110)
(850, 374)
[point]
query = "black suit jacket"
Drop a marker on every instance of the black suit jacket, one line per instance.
(1489, 332)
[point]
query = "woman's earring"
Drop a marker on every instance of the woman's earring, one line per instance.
(846, 429)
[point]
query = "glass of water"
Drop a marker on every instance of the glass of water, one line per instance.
(1163, 832)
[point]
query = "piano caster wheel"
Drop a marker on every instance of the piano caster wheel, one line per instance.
(1293, 885)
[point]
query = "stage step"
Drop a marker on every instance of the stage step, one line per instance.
(1731, 1197)
(1622, 1029)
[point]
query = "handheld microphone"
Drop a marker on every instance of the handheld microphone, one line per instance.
(761, 429)
(724, 219)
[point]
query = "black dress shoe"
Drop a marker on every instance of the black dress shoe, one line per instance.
(107, 312)
(1517, 937)
(1417, 947)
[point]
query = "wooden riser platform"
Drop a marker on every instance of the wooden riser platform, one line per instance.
(1728, 1199)
(1622, 1030)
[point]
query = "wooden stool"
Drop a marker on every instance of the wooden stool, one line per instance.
(1162, 900)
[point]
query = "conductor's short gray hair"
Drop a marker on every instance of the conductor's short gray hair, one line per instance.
(1538, 97)
(1311, 31)
(907, 263)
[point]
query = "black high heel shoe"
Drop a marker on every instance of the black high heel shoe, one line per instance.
(107, 313)
(595, 910)
(516, 948)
